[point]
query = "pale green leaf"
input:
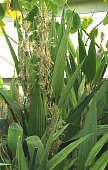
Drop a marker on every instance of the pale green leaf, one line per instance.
(95, 150)
(101, 163)
(60, 156)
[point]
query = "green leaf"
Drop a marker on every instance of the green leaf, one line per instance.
(12, 51)
(101, 163)
(105, 21)
(90, 62)
(66, 90)
(12, 87)
(100, 66)
(29, 5)
(51, 6)
(74, 98)
(82, 50)
(102, 129)
(34, 158)
(4, 164)
(90, 127)
(71, 48)
(2, 13)
(59, 132)
(74, 18)
(37, 113)
(1, 82)
(14, 131)
(60, 156)
(89, 66)
(70, 164)
(86, 23)
(107, 45)
(15, 5)
(13, 107)
(22, 164)
(60, 3)
(61, 53)
(60, 30)
(32, 14)
(53, 38)
(48, 145)
(94, 33)
(104, 90)
(74, 116)
(95, 150)
(2, 10)
(52, 137)
(57, 79)
(81, 88)
(32, 143)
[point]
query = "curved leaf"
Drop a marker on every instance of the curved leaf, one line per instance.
(90, 127)
(60, 156)
(90, 62)
(22, 163)
(14, 131)
(66, 90)
(95, 150)
(14, 108)
(101, 162)
(35, 142)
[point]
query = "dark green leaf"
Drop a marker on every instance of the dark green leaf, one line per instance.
(74, 18)
(32, 143)
(101, 163)
(60, 156)
(95, 150)
(14, 108)
(37, 113)
(89, 127)
(22, 164)
(67, 89)
(14, 131)
(2, 10)
(89, 66)
(105, 21)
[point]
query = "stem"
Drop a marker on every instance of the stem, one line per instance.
(100, 47)
(89, 38)
(7, 61)
(12, 39)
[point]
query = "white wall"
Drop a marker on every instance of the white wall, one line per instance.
(7, 67)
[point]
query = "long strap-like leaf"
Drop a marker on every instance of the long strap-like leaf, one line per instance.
(90, 126)
(69, 86)
(95, 150)
(14, 108)
(37, 113)
(60, 156)
(101, 162)
(58, 73)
